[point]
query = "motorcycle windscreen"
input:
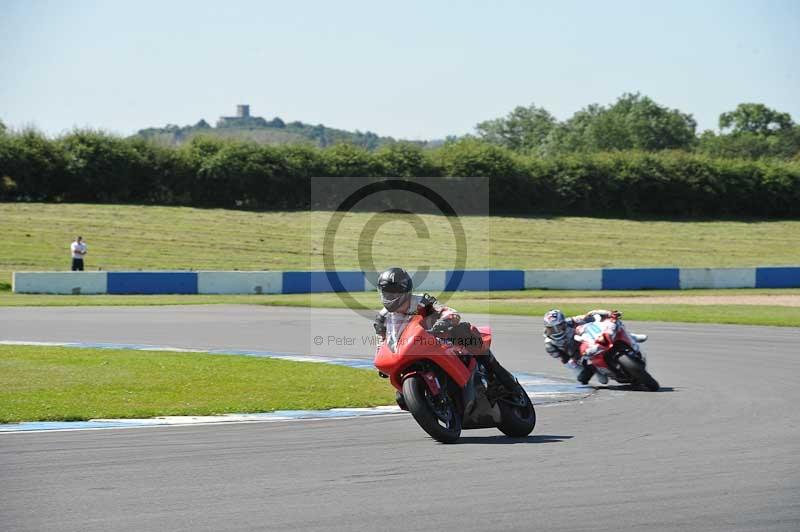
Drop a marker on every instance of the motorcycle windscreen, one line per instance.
(592, 330)
(395, 325)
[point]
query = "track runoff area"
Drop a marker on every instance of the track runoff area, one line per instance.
(714, 450)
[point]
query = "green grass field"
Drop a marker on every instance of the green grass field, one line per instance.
(68, 384)
(36, 236)
(122, 237)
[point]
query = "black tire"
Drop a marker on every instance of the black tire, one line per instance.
(635, 368)
(420, 404)
(517, 413)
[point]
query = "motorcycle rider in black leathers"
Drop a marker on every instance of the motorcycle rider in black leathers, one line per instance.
(394, 287)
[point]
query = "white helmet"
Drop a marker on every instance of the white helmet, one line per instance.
(555, 327)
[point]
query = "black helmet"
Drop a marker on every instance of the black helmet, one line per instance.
(394, 285)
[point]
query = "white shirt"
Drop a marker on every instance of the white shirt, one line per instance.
(78, 247)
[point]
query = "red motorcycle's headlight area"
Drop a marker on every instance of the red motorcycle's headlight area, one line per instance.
(592, 350)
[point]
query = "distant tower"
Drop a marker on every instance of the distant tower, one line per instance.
(243, 111)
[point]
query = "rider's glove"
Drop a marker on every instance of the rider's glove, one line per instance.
(442, 329)
(464, 336)
(380, 326)
(427, 302)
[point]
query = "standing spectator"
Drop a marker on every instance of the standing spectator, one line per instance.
(78, 249)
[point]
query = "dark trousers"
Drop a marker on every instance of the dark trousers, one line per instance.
(505, 377)
(77, 265)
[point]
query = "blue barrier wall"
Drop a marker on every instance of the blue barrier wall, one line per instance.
(352, 281)
(152, 282)
(310, 282)
(641, 279)
(484, 280)
(778, 277)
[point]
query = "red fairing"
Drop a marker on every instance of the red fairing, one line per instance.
(622, 336)
(416, 344)
(486, 334)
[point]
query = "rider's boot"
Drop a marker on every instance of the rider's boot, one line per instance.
(635, 339)
(585, 374)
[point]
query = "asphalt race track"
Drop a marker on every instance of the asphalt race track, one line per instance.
(718, 449)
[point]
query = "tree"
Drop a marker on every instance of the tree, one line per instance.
(102, 167)
(576, 134)
(471, 157)
(653, 127)
(755, 118)
(523, 129)
(404, 159)
(632, 122)
(753, 131)
(346, 160)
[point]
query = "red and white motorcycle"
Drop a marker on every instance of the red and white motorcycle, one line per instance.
(608, 347)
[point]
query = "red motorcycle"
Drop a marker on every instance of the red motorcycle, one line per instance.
(608, 347)
(445, 388)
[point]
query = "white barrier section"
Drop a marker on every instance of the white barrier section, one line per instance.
(370, 281)
(60, 282)
(564, 279)
(717, 278)
(434, 281)
(239, 282)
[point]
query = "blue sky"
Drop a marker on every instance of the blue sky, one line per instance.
(412, 69)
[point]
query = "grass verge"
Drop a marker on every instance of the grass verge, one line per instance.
(36, 236)
(487, 303)
(68, 384)
(368, 299)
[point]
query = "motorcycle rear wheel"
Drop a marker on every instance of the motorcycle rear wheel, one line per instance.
(518, 415)
(422, 406)
(636, 369)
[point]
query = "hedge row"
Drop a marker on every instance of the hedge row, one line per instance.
(88, 166)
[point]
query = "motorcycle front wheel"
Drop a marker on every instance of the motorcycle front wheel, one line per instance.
(636, 369)
(436, 415)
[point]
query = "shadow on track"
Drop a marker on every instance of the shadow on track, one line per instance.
(630, 388)
(505, 440)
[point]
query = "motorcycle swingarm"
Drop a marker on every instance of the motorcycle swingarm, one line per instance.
(482, 416)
